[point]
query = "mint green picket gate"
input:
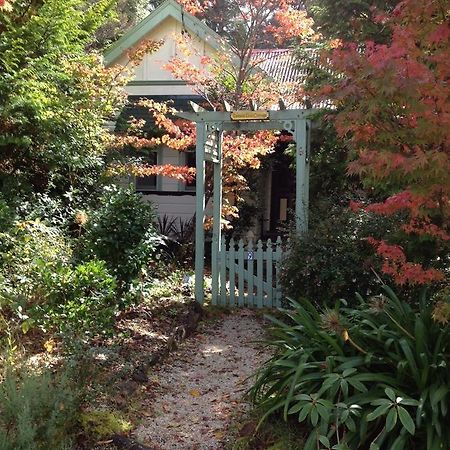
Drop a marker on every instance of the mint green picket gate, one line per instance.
(248, 275)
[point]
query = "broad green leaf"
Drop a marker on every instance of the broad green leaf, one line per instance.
(380, 411)
(406, 347)
(303, 414)
(344, 387)
(325, 441)
(296, 408)
(297, 374)
(348, 372)
(391, 419)
(406, 420)
(323, 412)
(351, 425)
(326, 403)
(381, 401)
(314, 416)
(355, 361)
(344, 415)
(410, 402)
(390, 393)
(357, 385)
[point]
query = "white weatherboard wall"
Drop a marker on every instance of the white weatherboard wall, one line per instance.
(167, 23)
(173, 206)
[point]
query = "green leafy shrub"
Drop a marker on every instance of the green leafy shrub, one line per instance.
(80, 300)
(121, 232)
(58, 210)
(37, 412)
(375, 376)
(6, 215)
(333, 260)
(39, 286)
(52, 115)
(30, 252)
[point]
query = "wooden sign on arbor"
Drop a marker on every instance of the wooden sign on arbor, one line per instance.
(210, 127)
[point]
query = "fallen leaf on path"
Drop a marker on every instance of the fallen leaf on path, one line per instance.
(49, 345)
(219, 435)
(195, 393)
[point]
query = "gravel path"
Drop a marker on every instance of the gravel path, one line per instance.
(200, 387)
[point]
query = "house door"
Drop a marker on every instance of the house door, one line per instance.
(283, 193)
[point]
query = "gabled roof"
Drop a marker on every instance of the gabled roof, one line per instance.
(170, 8)
(281, 65)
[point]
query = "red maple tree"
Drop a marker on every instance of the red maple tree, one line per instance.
(392, 104)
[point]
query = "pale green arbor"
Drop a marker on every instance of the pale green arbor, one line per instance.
(210, 127)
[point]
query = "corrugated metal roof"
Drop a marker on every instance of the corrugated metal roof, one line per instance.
(285, 66)
(279, 64)
(282, 64)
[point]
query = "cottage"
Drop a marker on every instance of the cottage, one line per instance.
(151, 80)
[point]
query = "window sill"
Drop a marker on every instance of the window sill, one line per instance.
(165, 193)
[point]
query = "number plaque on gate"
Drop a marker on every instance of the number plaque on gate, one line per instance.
(250, 256)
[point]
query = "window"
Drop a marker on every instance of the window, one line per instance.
(190, 162)
(148, 183)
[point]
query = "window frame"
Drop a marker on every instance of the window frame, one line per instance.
(183, 161)
(157, 186)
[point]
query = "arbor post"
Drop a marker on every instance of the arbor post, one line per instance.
(200, 213)
(301, 176)
(217, 218)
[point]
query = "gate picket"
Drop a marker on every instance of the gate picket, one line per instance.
(232, 266)
(260, 274)
(223, 272)
(269, 268)
(250, 285)
(278, 255)
(240, 257)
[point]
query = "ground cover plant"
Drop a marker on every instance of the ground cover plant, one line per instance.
(375, 375)
(38, 410)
